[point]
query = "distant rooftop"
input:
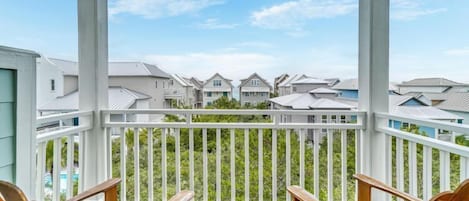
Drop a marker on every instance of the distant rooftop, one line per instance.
(431, 82)
(352, 84)
(119, 98)
(115, 68)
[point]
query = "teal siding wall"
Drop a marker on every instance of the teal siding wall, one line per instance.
(7, 124)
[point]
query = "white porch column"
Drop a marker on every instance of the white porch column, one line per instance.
(373, 82)
(93, 83)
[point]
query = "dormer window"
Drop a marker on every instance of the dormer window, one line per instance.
(217, 83)
(255, 82)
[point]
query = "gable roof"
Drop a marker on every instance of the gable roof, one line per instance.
(115, 68)
(182, 81)
(455, 102)
(308, 101)
(119, 98)
(196, 82)
(310, 80)
(252, 76)
(287, 82)
(431, 82)
(217, 74)
(401, 100)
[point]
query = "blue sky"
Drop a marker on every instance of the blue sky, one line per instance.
(429, 38)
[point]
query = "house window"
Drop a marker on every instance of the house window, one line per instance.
(324, 119)
(246, 93)
(156, 84)
(217, 83)
(225, 94)
(209, 103)
(171, 82)
(262, 94)
(334, 119)
(343, 119)
(255, 82)
(52, 85)
(294, 89)
(209, 94)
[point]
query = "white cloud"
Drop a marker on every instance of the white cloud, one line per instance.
(412, 14)
(230, 64)
(458, 52)
(411, 9)
(213, 23)
(152, 9)
(292, 14)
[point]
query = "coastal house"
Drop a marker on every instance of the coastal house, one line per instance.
(301, 83)
(137, 76)
(279, 80)
(182, 92)
(216, 87)
(254, 90)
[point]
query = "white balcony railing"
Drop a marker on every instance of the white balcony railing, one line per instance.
(205, 176)
(51, 144)
(421, 165)
(157, 159)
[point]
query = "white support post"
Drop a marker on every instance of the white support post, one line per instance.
(373, 84)
(93, 84)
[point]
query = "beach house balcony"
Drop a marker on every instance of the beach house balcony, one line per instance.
(156, 160)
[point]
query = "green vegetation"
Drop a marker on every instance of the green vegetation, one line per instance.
(225, 103)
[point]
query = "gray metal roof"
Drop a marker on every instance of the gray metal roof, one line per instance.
(308, 101)
(289, 80)
(352, 84)
(322, 90)
(310, 80)
(115, 68)
(431, 82)
(455, 102)
(119, 98)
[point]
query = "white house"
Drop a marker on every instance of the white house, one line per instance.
(49, 81)
(215, 87)
(138, 76)
(254, 90)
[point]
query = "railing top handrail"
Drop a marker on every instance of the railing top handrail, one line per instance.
(234, 125)
(232, 112)
(62, 116)
(426, 141)
(459, 128)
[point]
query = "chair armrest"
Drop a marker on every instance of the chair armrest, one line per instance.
(109, 188)
(183, 196)
(365, 183)
(300, 194)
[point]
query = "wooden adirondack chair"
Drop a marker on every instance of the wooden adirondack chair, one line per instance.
(10, 192)
(366, 183)
(299, 194)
